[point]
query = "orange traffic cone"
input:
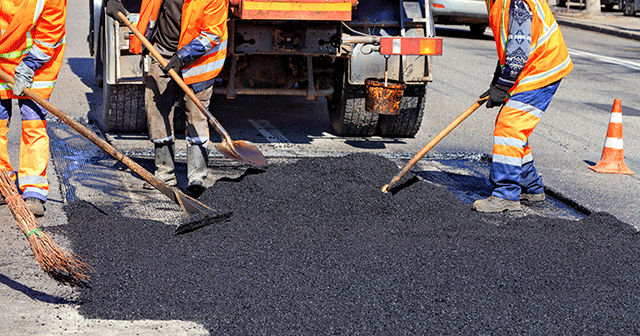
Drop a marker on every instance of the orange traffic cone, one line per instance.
(612, 159)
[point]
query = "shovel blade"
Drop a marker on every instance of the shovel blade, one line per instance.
(242, 151)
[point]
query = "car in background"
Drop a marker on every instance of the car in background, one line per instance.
(472, 13)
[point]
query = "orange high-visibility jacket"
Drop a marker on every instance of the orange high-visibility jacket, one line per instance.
(36, 26)
(203, 27)
(549, 58)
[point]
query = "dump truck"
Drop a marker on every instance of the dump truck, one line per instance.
(308, 48)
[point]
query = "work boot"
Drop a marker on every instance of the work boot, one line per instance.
(496, 204)
(197, 159)
(36, 206)
(165, 166)
(532, 197)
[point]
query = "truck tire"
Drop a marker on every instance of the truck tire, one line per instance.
(407, 122)
(124, 108)
(346, 109)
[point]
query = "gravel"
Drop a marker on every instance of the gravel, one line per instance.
(315, 248)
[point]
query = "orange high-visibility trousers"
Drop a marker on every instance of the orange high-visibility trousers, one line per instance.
(512, 170)
(34, 147)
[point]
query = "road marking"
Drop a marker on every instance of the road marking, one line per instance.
(628, 64)
(271, 133)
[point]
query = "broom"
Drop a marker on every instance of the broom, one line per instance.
(56, 262)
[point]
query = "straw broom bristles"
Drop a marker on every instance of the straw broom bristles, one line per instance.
(56, 262)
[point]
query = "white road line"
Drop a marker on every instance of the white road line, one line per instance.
(628, 64)
(270, 132)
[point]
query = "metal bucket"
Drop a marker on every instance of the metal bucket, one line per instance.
(383, 99)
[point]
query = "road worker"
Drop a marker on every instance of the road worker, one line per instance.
(192, 36)
(31, 50)
(532, 60)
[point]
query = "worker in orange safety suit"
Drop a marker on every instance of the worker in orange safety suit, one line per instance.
(31, 50)
(192, 36)
(532, 59)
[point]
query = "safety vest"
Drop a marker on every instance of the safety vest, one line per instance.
(205, 20)
(549, 58)
(28, 24)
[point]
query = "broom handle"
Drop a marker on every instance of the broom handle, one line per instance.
(433, 142)
(212, 120)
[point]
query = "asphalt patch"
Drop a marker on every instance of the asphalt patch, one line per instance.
(315, 248)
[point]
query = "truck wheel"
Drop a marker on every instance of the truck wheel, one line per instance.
(346, 109)
(407, 122)
(124, 108)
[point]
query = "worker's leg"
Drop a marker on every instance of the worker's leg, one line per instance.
(160, 101)
(512, 167)
(34, 156)
(197, 141)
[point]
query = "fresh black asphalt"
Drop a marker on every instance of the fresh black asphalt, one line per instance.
(315, 248)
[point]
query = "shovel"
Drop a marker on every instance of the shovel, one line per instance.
(188, 204)
(240, 150)
(433, 142)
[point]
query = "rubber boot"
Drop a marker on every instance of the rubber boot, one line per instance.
(165, 167)
(197, 159)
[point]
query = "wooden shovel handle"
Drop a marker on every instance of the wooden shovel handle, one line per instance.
(433, 142)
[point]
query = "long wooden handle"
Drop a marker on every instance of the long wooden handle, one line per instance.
(214, 122)
(433, 142)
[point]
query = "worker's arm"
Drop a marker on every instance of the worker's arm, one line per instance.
(517, 51)
(211, 32)
(48, 35)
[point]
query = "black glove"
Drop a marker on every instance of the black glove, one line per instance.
(497, 94)
(112, 9)
(175, 63)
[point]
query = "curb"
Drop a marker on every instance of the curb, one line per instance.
(597, 28)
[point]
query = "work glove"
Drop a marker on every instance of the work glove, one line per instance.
(497, 95)
(22, 78)
(113, 8)
(175, 63)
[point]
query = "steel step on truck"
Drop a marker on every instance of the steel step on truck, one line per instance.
(309, 48)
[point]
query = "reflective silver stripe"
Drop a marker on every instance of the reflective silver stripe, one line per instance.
(525, 107)
(198, 140)
(220, 46)
(206, 38)
(34, 85)
(163, 141)
(33, 179)
(508, 160)
(49, 45)
(202, 69)
(43, 84)
(39, 54)
(543, 75)
(36, 190)
(497, 140)
(527, 158)
(39, 8)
